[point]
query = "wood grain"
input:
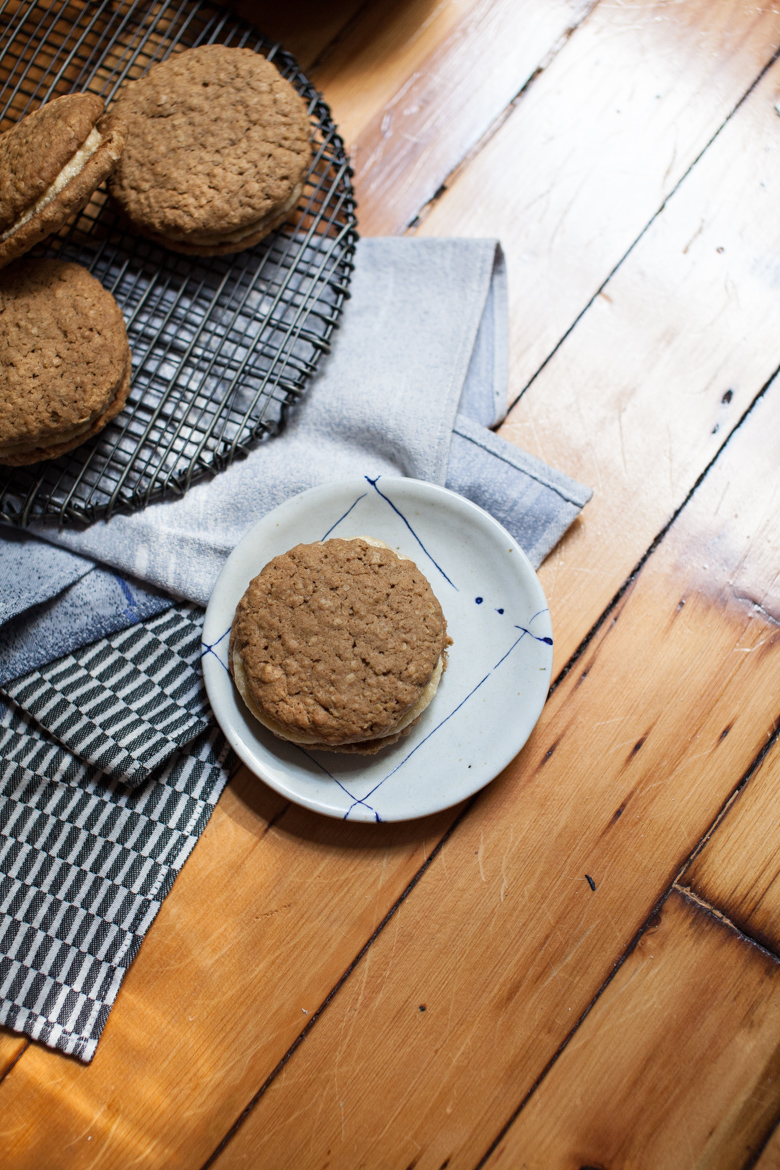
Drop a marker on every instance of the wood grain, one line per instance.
(413, 88)
(505, 942)
(11, 1045)
(373, 60)
(770, 1155)
(596, 145)
(206, 1013)
(676, 1065)
(739, 869)
(270, 908)
(640, 396)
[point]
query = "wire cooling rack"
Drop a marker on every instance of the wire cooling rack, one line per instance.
(221, 345)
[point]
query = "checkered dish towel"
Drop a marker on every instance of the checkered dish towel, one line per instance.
(100, 809)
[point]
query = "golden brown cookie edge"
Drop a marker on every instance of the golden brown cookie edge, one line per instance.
(121, 187)
(72, 198)
(41, 157)
(53, 452)
(279, 728)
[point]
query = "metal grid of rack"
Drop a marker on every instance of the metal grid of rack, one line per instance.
(221, 345)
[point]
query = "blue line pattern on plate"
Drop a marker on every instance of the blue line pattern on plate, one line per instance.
(208, 648)
(398, 512)
(355, 799)
(473, 691)
(525, 631)
(349, 509)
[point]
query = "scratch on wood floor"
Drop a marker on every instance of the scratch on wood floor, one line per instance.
(555, 971)
(755, 604)
(347, 1026)
(504, 878)
(456, 968)
(695, 236)
(622, 444)
(83, 1133)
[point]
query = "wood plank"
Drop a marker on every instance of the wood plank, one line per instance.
(375, 57)
(415, 86)
(639, 397)
(676, 1064)
(738, 870)
(770, 1155)
(304, 27)
(150, 1040)
(267, 912)
(11, 1047)
(592, 150)
(505, 942)
(314, 877)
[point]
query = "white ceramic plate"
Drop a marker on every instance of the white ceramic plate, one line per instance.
(491, 694)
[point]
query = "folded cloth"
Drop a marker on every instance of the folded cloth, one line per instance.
(420, 354)
(125, 703)
(85, 864)
(109, 765)
(32, 572)
(98, 603)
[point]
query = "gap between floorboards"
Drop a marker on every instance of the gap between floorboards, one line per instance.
(568, 665)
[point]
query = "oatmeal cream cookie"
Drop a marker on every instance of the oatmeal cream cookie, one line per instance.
(51, 162)
(218, 147)
(64, 356)
(339, 645)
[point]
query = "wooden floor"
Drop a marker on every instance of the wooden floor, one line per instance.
(580, 967)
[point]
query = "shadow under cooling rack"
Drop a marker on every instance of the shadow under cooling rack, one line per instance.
(221, 345)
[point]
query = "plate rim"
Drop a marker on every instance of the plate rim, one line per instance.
(348, 487)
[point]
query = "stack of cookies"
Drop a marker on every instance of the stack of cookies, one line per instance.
(207, 153)
(50, 164)
(65, 358)
(339, 645)
(218, 146)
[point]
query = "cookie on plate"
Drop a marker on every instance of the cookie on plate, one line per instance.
(339, 645)
(64, 356)
(218, 147)
(50, 164)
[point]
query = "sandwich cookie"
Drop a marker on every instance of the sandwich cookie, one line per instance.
(65, 359)
(339, 645)
(218, 148)
(50, 164)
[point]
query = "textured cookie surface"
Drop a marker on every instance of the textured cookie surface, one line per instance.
(64, 356)
(339, 640)
(218, 145)
(34, 151)
(50, 164)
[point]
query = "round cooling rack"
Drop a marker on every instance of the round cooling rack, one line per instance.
(221, 345)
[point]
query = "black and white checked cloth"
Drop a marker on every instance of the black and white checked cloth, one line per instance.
(126, 702)
(109, 771)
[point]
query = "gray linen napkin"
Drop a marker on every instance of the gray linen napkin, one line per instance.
(417, 377)
(98, 603)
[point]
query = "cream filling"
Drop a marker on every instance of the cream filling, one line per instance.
(68, 172)
(56, 438)
(414, 712)
(238, 234)
(301, 737)
(22, 446)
